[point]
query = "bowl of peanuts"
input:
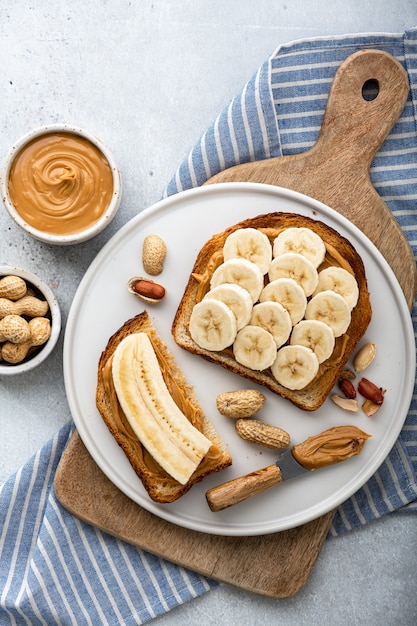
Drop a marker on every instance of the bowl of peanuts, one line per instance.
(30, 320)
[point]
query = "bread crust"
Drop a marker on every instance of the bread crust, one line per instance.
(210, 256)
(159, 485)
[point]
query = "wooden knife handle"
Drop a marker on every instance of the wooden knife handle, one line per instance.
(242, 488)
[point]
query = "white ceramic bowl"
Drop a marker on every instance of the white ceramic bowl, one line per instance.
(45, 293)
(61, 239)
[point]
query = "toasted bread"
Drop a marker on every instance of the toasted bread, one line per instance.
(339, 251)
(160, 486)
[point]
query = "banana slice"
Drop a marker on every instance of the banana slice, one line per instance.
(330, 307)
(341, 281)
(302, 241)
(240, 272)
(157, 421)
(289, 293)
(315, 335)
(295, 367)
(250, 244)
(274, 318)
(296, 266)
(236, 298)
(212, 325)
(255, 348)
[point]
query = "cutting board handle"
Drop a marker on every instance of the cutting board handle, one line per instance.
(366, 98)
(336, 169)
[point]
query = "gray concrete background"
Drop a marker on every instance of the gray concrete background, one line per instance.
(149, 78)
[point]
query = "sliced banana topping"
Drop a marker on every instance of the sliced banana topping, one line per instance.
(315, 335)
(286, 313)
(236, 298)
(302, 241)
(158, 423)
(212, 325)
(289, 293)
(296, 266)
(341, 281)
(274, 318)
(240, 272)
(295, 367)
(254, 347)
(251, 244)
(330, 307)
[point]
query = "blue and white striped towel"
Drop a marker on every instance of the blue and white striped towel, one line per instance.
(56, 569)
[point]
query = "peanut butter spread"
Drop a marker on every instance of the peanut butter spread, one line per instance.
(329, 447)
(179, 395)
(60, 183)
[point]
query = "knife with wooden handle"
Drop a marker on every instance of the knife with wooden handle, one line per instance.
(334, 445)
(244, 487)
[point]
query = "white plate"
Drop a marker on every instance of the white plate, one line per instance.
(102, 304)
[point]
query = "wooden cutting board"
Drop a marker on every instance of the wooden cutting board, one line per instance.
(336, 172)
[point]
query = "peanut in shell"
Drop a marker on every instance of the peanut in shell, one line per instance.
(262, 434)
(242, 403)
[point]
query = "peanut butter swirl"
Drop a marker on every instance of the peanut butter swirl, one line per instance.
(329, 447)
(60, 183)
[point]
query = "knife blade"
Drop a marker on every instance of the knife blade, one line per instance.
(239, 489)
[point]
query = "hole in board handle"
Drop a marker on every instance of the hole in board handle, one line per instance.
(370, 89)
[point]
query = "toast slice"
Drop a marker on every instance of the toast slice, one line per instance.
(160, 486)
(339, 251)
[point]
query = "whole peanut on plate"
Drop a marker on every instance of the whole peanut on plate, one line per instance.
(153, 254)
(261, 434)
(242, 403)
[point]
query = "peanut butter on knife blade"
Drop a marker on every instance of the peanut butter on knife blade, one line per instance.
(329, 447)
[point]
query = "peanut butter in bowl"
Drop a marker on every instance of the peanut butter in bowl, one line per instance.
(61, 185)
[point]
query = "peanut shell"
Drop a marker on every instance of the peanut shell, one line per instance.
(347, 404)
(153, 254)
(14, 328)
(242, 403)
(28, 305)
(261, 434)
(146, 289)
(12, 287)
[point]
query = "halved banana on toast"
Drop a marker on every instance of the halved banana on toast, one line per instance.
(153, 413)
(156, 420)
